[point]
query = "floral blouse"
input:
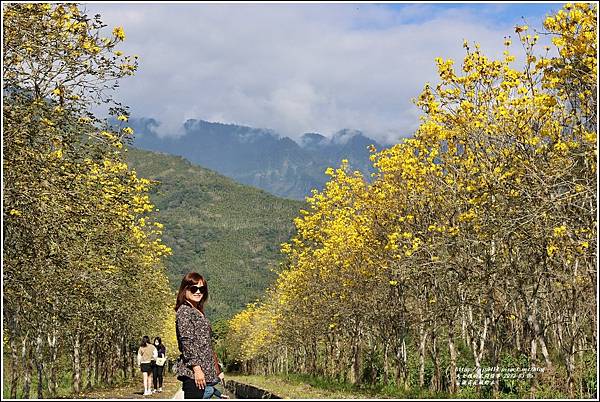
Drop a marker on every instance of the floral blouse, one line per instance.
(193, 338)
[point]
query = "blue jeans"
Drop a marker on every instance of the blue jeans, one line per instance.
(211, 390)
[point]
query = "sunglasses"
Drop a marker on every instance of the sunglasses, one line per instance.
(195, 289)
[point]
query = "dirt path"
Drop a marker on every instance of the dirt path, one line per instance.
(135, 390)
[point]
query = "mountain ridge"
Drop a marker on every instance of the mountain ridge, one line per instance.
(261, 157)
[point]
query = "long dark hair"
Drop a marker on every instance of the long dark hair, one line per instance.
(161, 348)
(145, 341)
(190, 279)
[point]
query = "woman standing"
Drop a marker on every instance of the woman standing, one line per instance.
(195, 368)
(146, 354)
(158, 367)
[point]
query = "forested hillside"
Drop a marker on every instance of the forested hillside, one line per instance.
(228, 232)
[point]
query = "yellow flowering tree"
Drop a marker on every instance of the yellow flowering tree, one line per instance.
(475, 242)
(83, 277)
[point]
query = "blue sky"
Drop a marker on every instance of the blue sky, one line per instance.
(493, 14)
(300, 67)
(500, 13)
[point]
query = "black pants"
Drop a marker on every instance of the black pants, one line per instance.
(157, 375)
(190, 389)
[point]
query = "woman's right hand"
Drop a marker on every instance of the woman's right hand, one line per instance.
(199, 377)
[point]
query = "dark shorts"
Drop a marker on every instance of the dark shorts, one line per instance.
(146, 367)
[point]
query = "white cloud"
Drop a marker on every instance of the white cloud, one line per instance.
(293, 68)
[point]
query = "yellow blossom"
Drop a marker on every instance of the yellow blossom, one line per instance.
(560, 231)
(119, 33)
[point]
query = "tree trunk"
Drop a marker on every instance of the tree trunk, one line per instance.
(533, 363)
(76, 364)
(305, 363)
(53, 349)
(435, 384)
(538, 334)
(478, 352)
(338, 358)
(131, 358)
(517, 331)
(354, 365)
(544, 348)
(124, 356)
(313, 358)
(355, 375)
(96, 365)
(286, 362)
(452, 350)
(104, 369)
(26, 369)
(570, 366)
(386, 363)
(402, 364)
(88, 369)
(39, 365)
(463, 323)
(422, 343)
(14, 369)
(495, 357)
(115, 359)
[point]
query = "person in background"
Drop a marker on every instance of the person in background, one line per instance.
(196, 367)
(146, 354)
(159, 365)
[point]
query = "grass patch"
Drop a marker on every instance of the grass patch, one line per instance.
(301, 386)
